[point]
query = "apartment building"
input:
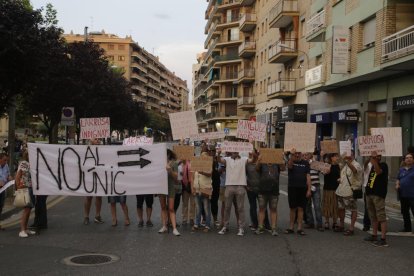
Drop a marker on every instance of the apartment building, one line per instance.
(156, 87)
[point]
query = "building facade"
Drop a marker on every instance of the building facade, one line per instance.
(152, 83)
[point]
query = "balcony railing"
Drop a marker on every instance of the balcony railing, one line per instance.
(226, 58)
(140, 56)
(245, 101)
(247, 18)
(231, 38)
(247, 45)
(398, 44)
(211, 48)
(140, 67)
(223, 3)
(139, 77)
(282, 85)
(282, 46)
(229, 76)
(283, 6)
(153, 67)
(210, 34)
(246, 73)
(316, 23)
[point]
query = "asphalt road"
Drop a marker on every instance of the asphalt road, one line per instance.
(143, 251)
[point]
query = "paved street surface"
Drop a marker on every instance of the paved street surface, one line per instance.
(143, 251)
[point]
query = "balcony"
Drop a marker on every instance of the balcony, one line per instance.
(154, 68)
(153, 76)
(281, 89)
(140, 57)
(227, 4)
(139, 88)
(212, 33)
(248, 22)
(228, 77)
(283, 51)
(245, 103)
(228, 22)
(281, 15)
(398, 45)
(247, 49)
(139, 77)
(212, 49)
(153, 86)
(226, 59)
(315, 28)
(139, 67)
(154, 96)
(247, 2)
(232, 40)
(246, 75)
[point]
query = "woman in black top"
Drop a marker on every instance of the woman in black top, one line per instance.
(329, 200)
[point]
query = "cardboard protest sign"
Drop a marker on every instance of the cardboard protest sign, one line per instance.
(345, 147)
(183, 124)
(300, 136)
(201, 164)
(320, 166)
(208, 136)
(8, 184)
(251, 130)
(137, 141)
(369, 144)
(184, 152)
(227, 146)
(392, 139)
(95, 128)
(329, 146)
(271, 156)
(79, 170)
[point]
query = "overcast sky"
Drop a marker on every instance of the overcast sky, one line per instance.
(172, 30)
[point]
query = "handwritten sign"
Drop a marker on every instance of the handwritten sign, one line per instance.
(227, 146)
(138, 141)
(8, 184)
(77, 170)
(91, 128)
(320, 166)
(329, 146)
(271, 156)
(184, 152)
(201, 164)
(369, 144)
(392, 139)
(183, 124)
(345, 147)
(300, 136)
(208, 136)
(251, 130)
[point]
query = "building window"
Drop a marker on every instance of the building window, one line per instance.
(121, 58)
(111, 58)
(121, 47)
(111, 47)
(369, 31)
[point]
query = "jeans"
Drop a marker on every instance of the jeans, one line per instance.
(252, 196)
(188, 213)
(202, 202)
(238, 192)
(316, 200)
(406, 205)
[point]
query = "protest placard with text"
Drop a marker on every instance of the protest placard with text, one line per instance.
(368, 144)
(320, 166)
(184, 152)
(329, 146)
(208, 136)
(137, 141)
(201, 164)
(227, 146)
(251, 130)
(392, 139)
(183, 124)
(271, 156)
(300, 136)
(95, 128)
(345, 147)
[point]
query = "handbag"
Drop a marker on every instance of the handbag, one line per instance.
(357, 193)
(22, 198)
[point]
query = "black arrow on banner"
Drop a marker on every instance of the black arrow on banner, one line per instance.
(142, 162)
(139, 151)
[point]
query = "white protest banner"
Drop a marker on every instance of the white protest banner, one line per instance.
(271, 156)
(329, 146)
(320, 166)
(183, 152)
(300, 136)
(251, 130)
(138, 141)
(183, 124)
(345, 147)
(91, 128)
(76, 170)
(392, 139)
(208, 136)
(201, 164)
(8, 184)
(227, 146)
(369, 144)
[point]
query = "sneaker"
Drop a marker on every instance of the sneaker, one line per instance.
(141, 224)
(260, 230)
(223, 231)
(98, 220)
(30, 232)
(217, 223)
(85, 222)
(149, 224)
(380, 243)
(195, 227)
(23, 234)
(371, 238)
(253, 227)
(176, 233)
(275, 233)
(241, 232)
(206, 229)
(163, 230)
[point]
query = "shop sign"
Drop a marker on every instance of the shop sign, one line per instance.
(403, 103)
(345, 116)
(321, 118)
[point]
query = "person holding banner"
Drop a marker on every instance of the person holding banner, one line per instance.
(167, 201)
(299, 189)
(253, 178)
(122, 200)
(405, 188)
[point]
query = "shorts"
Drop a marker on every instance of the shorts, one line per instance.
(347, 203)
(297, 197)
(149, 200)
(222, 197)
(376, 208)
(117, 199)
(268, 199)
